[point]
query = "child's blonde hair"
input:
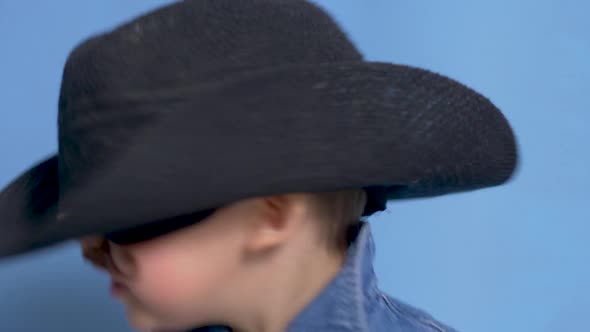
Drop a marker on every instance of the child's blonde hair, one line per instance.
(337, 211)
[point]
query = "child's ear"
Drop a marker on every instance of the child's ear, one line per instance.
(278, 218)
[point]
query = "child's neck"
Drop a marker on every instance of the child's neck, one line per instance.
(279, 292)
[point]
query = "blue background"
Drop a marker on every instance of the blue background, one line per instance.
(511, 258)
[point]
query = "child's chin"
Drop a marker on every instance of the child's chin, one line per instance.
(144, 322)
(140, 320)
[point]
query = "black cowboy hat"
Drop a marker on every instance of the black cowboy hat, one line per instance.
(204, 102)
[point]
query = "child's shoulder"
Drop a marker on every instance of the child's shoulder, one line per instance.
(404, 316)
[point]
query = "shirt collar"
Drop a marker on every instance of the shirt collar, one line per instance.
(343, 304)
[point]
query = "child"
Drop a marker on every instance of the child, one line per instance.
(218, 159)
(259, 264)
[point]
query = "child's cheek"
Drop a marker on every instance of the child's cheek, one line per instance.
(157, 275)
(164, 280)
(168, 294)
(173, 277)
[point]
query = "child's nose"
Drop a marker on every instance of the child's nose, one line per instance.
(92, 251)
(120, 259)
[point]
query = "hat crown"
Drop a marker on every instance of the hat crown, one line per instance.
(199, 40)
(184, 44)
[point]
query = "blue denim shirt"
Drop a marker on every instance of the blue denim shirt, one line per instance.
(352, 301)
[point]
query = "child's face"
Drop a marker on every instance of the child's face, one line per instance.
(173, 280)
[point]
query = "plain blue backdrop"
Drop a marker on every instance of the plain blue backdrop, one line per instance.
(511, 258)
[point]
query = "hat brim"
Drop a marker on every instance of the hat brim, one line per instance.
(298, 128)
(26, 204)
